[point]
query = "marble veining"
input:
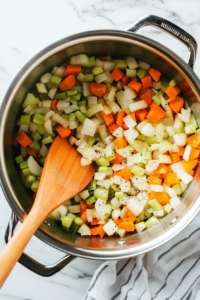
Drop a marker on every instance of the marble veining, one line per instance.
(31, 26)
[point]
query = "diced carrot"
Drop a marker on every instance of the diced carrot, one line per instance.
(125, 173)
(162, 169)
(169, 169)
(125, 79)
(112, 128)
(132, 114)
(117, 221)
(117, 74)
(194, 153)
(94, 222)
(120, 143)
(141, 114)
(67, 83)
(128, 226)
(124, 126)
(109, 119)
(146, 81)
(189, 140)
(120, 115)
(172, 91)
(54, 104)
(91, 206)
(31, 152)
(117, 160)
(136, 86)
(177, 104)
(154, 180)
(147, 97)
(23, 139)
(72, 70)
(98, 89)
(191, 173)
(181, 150)
(103, 58)
(98, 230)
(73, 131)
(129, 217)
(83, 206)
(190, 165)
(155, 114)
(155, 74)
(84, 216)
(63, 133)
(161, 197)
(171, 179)
(175, 158)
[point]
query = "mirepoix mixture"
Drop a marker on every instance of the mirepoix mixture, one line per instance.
(130, 120)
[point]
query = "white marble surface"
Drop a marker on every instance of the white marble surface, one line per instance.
(26, 28)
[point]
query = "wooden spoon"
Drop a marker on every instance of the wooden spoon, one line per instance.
(62, 178)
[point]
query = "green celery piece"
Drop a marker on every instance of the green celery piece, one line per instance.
(164, 86)
(141, 73)
(90, 200)
(78, 221)
(120, 63)
(30, 100)
(74, 227)
(36, 136)
(81, 77)
(92, 61)
(121, 99)
(81, 117)
(72, 117)
(44, 97)
(102, 162)
(92, 185)
(156, 99)
(26, 171)
(76, 97)
(91, 141)
(155, 204)
(77, 198)
(94, 109)
(172, 82)
(130, 73)
(151, 140)
(39, 119)
(71, 93)
(19, 159)
(178, 125)
(61, 96)
(51, 85)
(89, 77)
(30, 178)
(23, 165)
(65, 117)
(47, 140)
(101, 192)
(109, 158)
(56, 79)
(36, 148)
(82, 103)
(67, 222)
(42, 160)
(152, 222)
(25, 119)
(177, 188)
(102, 169)
(97, 70)
(190, 129)
(138, 171)
(109, 86)
(34, 186)
(118, 195)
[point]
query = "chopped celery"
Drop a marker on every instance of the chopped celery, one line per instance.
(19, 159)
(34, 186)
(94, 109)
(138, 171)
(97, 70)
(82, 103)
(140, 226)
(109, 158)
(36, 148)
(91, 141)
(141, 73)
(121, 99)
(42, 160)
(102, 169)
(144, 161)
(102, 162)
(36, 136)
(164, 86)
(78, 221)
(167, 208)
(178, 125)
(190, 129)
(51, 85)
(23, 165)
(30, 178)
(92, 185)
(72, 117)
(74, 227)
(152, 222)
(151, 140)
(101, 192)
(80, 116)
(119, 194)
(61, 96)
(44, 97)
(165, 159)
(26, 171)
(120, 63)
(157, 99)
(76, 97)
(130, 73)
(172, 82)
(90, 200)
(25, 119)
(67, 221)
(56, 79)
(39, 119)
(109, 86)
(77, 198)
(81, 77)
(30, 100)
(177, 188)
(92, 61)
(155, 204)
(89, 77)
(71, 93)
(47, 140)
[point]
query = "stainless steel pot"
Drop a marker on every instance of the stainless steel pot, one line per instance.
(118, 44)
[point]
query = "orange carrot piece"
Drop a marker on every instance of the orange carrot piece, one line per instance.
(171, 179)
(63, 133)
(190, 165)
(181, 150)
(136, 86)
(154, 180)
(128, 226)
(177, 104)
(84, 216)
(169, 170)
(23, 139)
(175, 158)
(194, 153)
(125, 173)
(109, 119)
(54, 104)
(146, 81)
(132, 114)
(117, 74)
(72, 70)
(141, 114)
(83, 206)
(67, 83)
(98, 230)
(172, 91)
(147, 97)
(117, 160)
(155, 114)
(162, 169)
(31, 152)
(120, 143)
(117, 221)
(129, 217)
(125, 79)
(120, 115)
(112, 128)
(155, 74)
(98, 89)
(103, 58)
(124, 126)
(161, 197)
(190, 140)
(94, 222)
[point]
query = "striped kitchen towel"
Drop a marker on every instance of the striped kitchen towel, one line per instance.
(170, 272)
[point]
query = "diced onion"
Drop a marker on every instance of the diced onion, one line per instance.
(186, 178)
(180, 139)
(89, 215)
(62, 105)
(178, 169)
(89, 127)
(84, 230)
(187, 152)
(138, 105)
(60, 120)
(43, 151)
(91, 101)
(71, 109)
(100, 206)
(156, 188)
(34, 168)
(86, 89)
(49, 115)
(48, 126)
(169, 121)
(46, 78)
(110, 228)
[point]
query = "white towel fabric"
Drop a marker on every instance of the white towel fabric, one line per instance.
(170, 272)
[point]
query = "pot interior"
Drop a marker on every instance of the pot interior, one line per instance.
(119, 45)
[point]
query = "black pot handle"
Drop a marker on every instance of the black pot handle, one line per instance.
(29, 262)
(171, 29)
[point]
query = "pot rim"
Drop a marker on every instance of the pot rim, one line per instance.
(115, 35)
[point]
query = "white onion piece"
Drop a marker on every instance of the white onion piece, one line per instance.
(99, 176)
(72, 139)
(23, 127)
(152, 165)
(33, 127)
(48, 126)
(178, 169)
(175, 148)
(156, 85)
(111, 94)
(169, 121)
(109, 79)
(148, 130)
(49, 115)
(175, 202)
(52, 93)
(89, 215)
(62, 105)
(63, 210)
(92, 100)
(86, 89)
(135, 206)
(88, 127)
(28, 109)
(164, 103)
(33, 166)
(46, 103)
(187, 152)
(108, 66)
(85, 161)
(73, 124)
(129, 94)
(131, 135)
(43, 151)
(60, 120)
(100, 78)
(130, 123)
(84, 230)
(110, 228)
(46, 78)
(107, 110)
(114, 107)
(42, 110)
(74, 209)
(100, 206)
(131, 62)
(159, 132)
(138, 105)
(60, 71)
(98, 63)
(186, 178)
(180, 139)
(41, 87)
(119, 133)
(71, 109)
(156, 188)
